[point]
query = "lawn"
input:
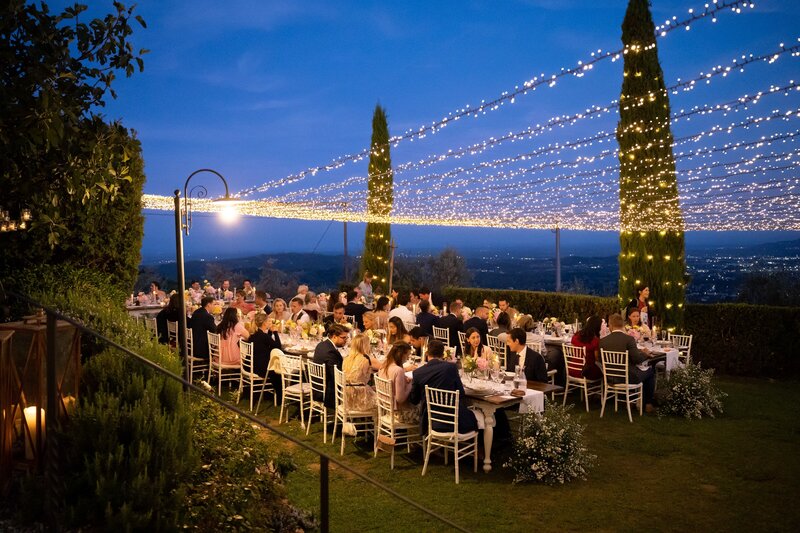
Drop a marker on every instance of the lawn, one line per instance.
(740, 471)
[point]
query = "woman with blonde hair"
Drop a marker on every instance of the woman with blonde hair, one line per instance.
(357, 368)
(279, 311)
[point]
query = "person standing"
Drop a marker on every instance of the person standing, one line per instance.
(366, 289)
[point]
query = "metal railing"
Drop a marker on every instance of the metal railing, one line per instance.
(324, 459)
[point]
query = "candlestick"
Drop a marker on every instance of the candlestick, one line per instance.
(32, 443)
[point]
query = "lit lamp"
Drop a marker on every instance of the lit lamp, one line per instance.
(35, 425)
(183, 223)
(8, 224)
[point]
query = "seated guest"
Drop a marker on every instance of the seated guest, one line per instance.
(530, 360)
(382, 308)
(333, 299)
(503, 326)
(396, 332)
(225, 289)
(202, 323)
(171, 313)
(425, 319)
(505, 306)
(357, 368)
(418, 341)
(425, 296)
(474, 346)
(369, 321)
(619, 341)
(526, 323)
(337, 317)
(298, 315)
(279, 311)
(393, 370)
(156, 295)
(634, 327)
(327, 353)
(311, 306)
(302, 290)
(413, 300)
(589, 339)
(355, 309)
(265, 339)
(478, 321)
(439, 374)
(240, 304)
(249, 290)
(260, 303)
(454, 324)
(195, 292)
(231, 330)
(403, 310)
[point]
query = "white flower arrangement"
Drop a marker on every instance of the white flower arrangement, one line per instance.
(692, 394)
(552, 448)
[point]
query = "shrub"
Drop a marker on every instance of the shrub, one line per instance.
(691, 393)
(238, 485)
(551, 449)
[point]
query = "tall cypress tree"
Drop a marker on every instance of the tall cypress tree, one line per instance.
(379, 202)
(651, 236)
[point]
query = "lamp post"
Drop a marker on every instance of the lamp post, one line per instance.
(183, 223)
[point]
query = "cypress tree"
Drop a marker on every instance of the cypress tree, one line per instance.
(651, 224)
(379, 202)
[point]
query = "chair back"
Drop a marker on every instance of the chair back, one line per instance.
(213, 347)
(291, 369)
(351, 319)
(443, 334)
(189, 342)
(442, 406)
(682, 342)
(615, 365)
(172, 332)
(575, 357)
(536, 346)
(498, 348)
(246, 353)
(339, 383)
(409, 325)
(326, 314)
(462, 339)
(384, 394)
(152, 326)
(316, 376)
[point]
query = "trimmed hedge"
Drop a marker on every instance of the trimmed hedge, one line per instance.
(734, 339)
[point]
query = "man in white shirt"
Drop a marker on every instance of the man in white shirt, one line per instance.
(298, 315)
(402, 310)
(195, 292)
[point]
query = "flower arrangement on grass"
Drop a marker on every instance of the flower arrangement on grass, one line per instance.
(691, 393)
(552, 448)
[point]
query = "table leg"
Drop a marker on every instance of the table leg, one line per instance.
(488, 435)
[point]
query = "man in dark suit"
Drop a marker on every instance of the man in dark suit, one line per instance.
(202, 323)
(425, 319)
(478, 321)
(454, 324)
(265, 339)
(355, 309)
(260, 303)
(518, 353)
(327, 353)
(440, 374)
(337, 317)
(619, 341)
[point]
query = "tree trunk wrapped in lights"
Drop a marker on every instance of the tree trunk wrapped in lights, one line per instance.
(379, 203)
(651, 236)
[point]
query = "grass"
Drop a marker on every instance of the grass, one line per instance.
(738, 472)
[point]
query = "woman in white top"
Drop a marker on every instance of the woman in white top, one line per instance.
(279, 311)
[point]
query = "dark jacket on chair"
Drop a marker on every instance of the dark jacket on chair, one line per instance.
(326, 353)
(453, 324)
(535, 366)
(439, 374)
(263, 344)
(202, 323)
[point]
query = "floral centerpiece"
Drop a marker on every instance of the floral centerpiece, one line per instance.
(289, 326)
(469, 364)
(449, 353)
(634, 331)
(552, 325)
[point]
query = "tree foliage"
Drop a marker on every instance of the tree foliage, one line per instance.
(651, 238)
(80, 176)
(379, 202)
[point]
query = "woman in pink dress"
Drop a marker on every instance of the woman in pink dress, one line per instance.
(393, 370)
(230, 330)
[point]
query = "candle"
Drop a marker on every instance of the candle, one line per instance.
(444, 309)
(30, 421)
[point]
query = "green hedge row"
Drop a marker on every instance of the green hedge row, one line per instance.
(736, 339)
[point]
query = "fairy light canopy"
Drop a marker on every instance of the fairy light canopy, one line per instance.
(736, 152)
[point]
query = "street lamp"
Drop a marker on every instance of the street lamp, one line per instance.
(183, 223)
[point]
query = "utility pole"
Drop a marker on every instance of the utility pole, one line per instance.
(558, 258)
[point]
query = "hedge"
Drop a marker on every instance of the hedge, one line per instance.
(734, 339)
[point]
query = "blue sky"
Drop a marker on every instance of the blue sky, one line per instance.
(261, 89)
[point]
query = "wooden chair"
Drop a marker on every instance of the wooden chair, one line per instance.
(196, 364)
(390, 432)
(294, 390)
(498, 347)
(224, 371)
(362, 421)
(172, 333)
(442, 406)
(462, 339)
(316, 378)
(443, 334)
(256, 383)
(615, 382)
(684, 345)
(151, 326)
(351, 319)
(574, 359)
